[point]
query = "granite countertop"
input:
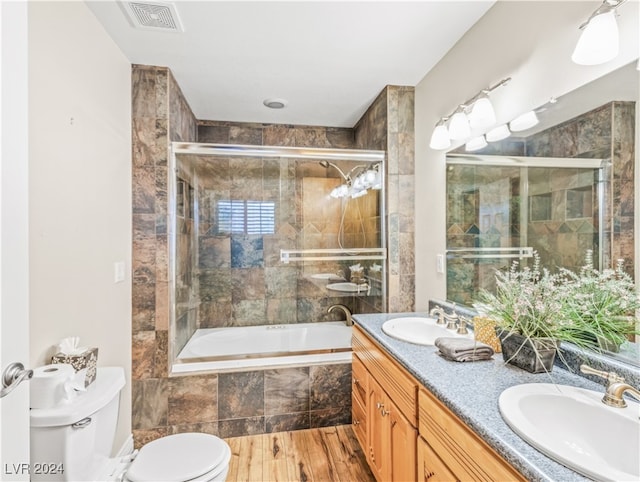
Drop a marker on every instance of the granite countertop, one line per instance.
(471, 391)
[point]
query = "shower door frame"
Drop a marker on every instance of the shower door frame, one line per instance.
(601, 165)
(241, 150)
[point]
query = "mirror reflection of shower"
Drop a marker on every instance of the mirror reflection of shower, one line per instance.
(355, 186)
(502, 209)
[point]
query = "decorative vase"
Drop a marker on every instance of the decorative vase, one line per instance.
(535, 355)
(484, 330)
(608, 345)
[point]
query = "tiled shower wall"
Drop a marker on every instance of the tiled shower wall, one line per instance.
(230, 278)
(563, 233)
(231, 404)
(608, 133)
(388, 125)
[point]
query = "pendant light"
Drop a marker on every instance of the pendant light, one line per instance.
(600, 39)
(482, 114)
(475, 144)
(459, 125)
(524, 121)
(440, 137)
(498, 133)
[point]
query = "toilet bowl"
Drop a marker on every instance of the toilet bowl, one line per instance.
(77, 437)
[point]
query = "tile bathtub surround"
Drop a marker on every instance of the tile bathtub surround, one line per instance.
(161, 115)
(244, 403)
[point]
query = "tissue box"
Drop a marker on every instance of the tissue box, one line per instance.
(87, 359)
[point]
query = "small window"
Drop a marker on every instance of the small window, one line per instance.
(245, 217)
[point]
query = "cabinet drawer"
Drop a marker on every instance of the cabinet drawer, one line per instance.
(396, 381)
(359, 422)
(359, 381)
(463, 452)
(430, 467)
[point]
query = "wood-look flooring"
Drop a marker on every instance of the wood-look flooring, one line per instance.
(313, 455)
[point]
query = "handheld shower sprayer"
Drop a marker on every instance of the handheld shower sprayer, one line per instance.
(327, 164)
(347, 176)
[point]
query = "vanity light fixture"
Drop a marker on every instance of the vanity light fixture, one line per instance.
(440, 138)
(524, 121)
(459, 127)
(600, 39)
(475, 144)
(498, 133)
(482, 114)
(475, 113)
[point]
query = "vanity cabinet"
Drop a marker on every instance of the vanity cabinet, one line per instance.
(456, 448)
(407, 433)
(390, 429)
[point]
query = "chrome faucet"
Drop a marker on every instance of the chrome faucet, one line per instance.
(616, 387)
(348, 321)
(437, 310)
(613, 395)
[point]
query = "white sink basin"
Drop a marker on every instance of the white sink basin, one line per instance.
(327, 276)
(420, 330)
(347, 287)
(572, 426)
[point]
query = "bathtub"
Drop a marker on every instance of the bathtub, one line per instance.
(259, 347)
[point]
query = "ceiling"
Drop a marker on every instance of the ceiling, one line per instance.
(328, 59)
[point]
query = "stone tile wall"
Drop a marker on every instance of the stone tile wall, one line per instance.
(606, 132)
(388, 125)
(570, 221)
(226, 404)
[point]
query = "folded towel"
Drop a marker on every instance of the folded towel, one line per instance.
(463, 349)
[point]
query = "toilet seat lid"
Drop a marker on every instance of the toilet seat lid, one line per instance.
(177, 458)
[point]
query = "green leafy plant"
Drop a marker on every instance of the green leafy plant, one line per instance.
(524, 301)
(598, 307)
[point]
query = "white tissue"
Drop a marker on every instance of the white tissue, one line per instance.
(71, 346)
(376, 267)
(356, 267)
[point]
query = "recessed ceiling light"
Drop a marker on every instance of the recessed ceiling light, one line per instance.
(275, 103)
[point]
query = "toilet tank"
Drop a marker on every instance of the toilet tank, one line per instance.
(73, 441)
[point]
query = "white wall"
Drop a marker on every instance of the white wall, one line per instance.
(79, 188)
(531, 42)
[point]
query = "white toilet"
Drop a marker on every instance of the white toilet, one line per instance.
(73, 442)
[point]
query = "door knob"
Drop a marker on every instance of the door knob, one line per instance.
(12, 376)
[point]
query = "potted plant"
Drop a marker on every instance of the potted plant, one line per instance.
(598, 307)
(525, 307)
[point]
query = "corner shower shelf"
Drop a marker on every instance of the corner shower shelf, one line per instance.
(347, 254)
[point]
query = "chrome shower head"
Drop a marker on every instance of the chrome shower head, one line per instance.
(327, 164)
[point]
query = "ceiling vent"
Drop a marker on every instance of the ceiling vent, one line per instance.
(153, 16)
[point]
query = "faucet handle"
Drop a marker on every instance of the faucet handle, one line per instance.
(451, 320)
(610, 377)
(462, 326)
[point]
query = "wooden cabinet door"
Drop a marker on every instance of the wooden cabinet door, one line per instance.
(378, 436)
(403, 438)
(430, 467)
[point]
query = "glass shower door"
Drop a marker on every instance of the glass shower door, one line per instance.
(501, 212)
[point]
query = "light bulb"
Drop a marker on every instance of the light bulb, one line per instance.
(459, 125)
(475, 144)
(340, 191)
(524, 121)
(357, 192)
(498, 133)
(599, 41)
(482, 114)
(440, 137)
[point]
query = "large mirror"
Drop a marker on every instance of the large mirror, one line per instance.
(562, 188)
